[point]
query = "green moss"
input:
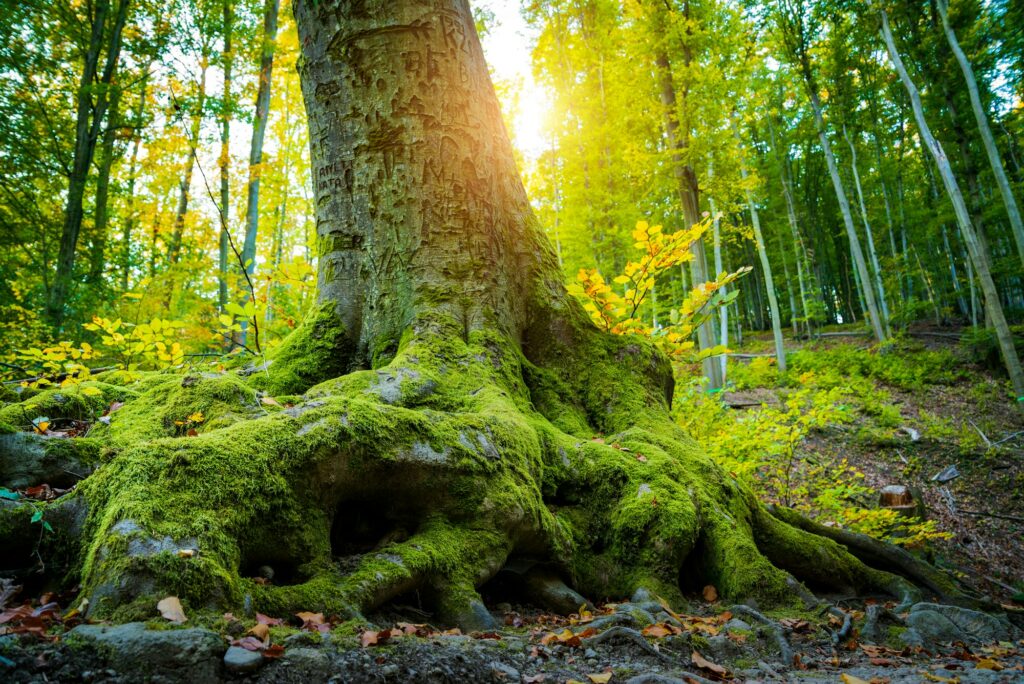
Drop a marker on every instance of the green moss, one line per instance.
(315, 351)
(84, 401)
(169, 404)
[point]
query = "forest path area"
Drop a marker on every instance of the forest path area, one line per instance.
(935, 418)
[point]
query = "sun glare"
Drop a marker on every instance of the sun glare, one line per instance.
(507, 49)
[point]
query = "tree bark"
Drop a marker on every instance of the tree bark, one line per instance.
(978, 252)
(686, 181)
(872, 253)
(981, 116)
(97, 251)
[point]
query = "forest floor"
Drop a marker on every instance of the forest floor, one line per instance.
(916, 435)
(903, 431)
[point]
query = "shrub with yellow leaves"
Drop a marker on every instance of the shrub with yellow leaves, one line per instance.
(660, 252)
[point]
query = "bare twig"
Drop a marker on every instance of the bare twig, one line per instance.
(1001, 516)
(231, 240)
(984, 437)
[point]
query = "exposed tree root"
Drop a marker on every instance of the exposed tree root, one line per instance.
(429, 475)
(785, 651)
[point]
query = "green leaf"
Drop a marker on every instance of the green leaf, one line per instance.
(91, 391)
(234, 308)
(6, 493)
(47, 526)
(37, 516)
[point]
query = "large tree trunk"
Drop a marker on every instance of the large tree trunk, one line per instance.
(465, 433)
(976, 248)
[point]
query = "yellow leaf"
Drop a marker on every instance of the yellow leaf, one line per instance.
(196, 417)
(91, 392)
(602, 678)
(850, 679)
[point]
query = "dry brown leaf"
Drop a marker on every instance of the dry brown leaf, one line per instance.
(705, 664)
(171, 609)
(710, 594)
(988, 664)
(269, 401)
(260, 631)
(657, 631)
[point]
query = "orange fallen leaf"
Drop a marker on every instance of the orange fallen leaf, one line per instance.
(260, 631)
(988, 664)
(274, 651)
(170, 608)
(710, 594)
(657, 631)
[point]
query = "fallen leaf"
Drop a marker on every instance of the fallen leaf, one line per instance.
(269, 401)
(705, 664)
(274, 651)
(249, 643)
(602, 678)
(657, 631)
(186, 553)
(533, 679)
(368, 639)
(266, 620)
(988, 664)
(260, 631)
(171, 609)
(710, 594)
(850, 679)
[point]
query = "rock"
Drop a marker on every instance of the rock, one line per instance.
(940, 623)
(736, 624)
(947, 474)
(28, 459)
(173, 655)
(934, 628)
(242, 661)
(501, 671)
(312, 663)
(722, 648)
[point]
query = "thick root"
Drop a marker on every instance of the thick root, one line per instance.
(431, 474)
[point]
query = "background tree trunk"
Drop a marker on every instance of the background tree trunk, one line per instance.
(977, 250)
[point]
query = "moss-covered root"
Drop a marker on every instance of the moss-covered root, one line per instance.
(820, 561)
(885, 557)
(443, 562)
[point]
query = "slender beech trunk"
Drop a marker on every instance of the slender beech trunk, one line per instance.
(766, 269)
(981, 116)
(872, 253)
(97, 251)
(259, 129)
(723, 312)
(227, 108)
(185, 188)
(686, 180)
(859, 263)
(976, 250)
(91, 107)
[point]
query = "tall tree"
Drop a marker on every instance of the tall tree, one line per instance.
(978, 252)
(792, 26)
(981, 116)
(92, 99)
